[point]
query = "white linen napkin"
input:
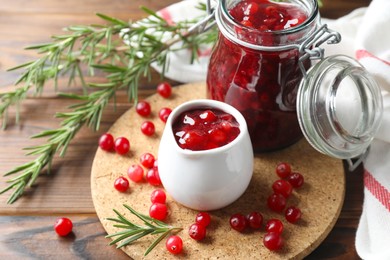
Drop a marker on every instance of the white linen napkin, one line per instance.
(365, 36)
(367, 31)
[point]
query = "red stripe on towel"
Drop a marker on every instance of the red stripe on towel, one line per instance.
(166, 14)
(365, 54)
(378, 190)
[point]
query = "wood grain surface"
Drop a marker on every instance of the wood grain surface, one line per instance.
(66, 191)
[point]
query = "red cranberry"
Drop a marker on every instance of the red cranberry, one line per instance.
(122, 145)
(153, 177)
(255, 220)
(147, 128)
(106, 142)
(135, 173)
(293, 214)
(158, 211)
(273, 241)
(282, 187)
(121, 184)
(296, 179)
(203, 218)
(274, 225)
(147, 160)
(174, 244)
(276, 202)
(143, 108)
(164, 113)
(283, 170)
(63, 226)
(158, 196)
(197, 231)
(164, 89)
(238, 222)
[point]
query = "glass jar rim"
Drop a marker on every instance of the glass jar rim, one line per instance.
(334, 82)
(222, 12)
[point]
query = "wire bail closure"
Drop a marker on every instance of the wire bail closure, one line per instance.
(310, 48)
(207, 23)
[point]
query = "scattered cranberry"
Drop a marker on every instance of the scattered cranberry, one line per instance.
(296, 179)
(282, 187)
(63, 226)
(106, 142)
(143, 108)
(147, 128)
(238, 222)
(283, 170)
(197, 231)
(153, 177)
(164, 113)
(274, 225)
(273, 241)
(174, 245)
(135, 173)
(203, 218)
(158, 211)
(254, 219)
(122, 145)
(164, 89)
(293, 214)
(276, 202)
(158, 196)
(155, 164)
(121, 184)
(147, 160)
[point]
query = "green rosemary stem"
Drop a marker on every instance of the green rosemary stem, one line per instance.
(132, 232)
(124, 65)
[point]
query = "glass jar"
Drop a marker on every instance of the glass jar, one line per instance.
(258, 73)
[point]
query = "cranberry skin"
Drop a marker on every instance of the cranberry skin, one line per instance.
(164, 113)
(238, 222)
(106, 142)
(158, 211)
(143, 108)
(283, 170)
(293, 214)
(158, 196)
(174, 244)
(147, 128)
(197, 231)
(164, 89)
(274, 225)
(296, 179)
(282, 187)
(203, 218)
(147, 160)
(63, 226)
(135, 173)
(122, 145)
(121, 184)
(153, 177)
(276, 202)
(273, 241)
(255, 220)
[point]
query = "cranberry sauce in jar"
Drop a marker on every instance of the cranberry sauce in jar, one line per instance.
(254, 65)
(204, 129)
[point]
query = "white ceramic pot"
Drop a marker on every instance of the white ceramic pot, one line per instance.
(208, 179)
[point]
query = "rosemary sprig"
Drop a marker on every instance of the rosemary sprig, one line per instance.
(101, 47)
(132, 232)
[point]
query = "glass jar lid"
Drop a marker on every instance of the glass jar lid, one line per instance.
(339, 107)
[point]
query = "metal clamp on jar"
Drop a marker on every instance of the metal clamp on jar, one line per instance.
(268, 75)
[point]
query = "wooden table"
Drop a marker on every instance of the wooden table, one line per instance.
(27, 226)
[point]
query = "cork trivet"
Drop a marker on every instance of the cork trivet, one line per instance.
(320, 198)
